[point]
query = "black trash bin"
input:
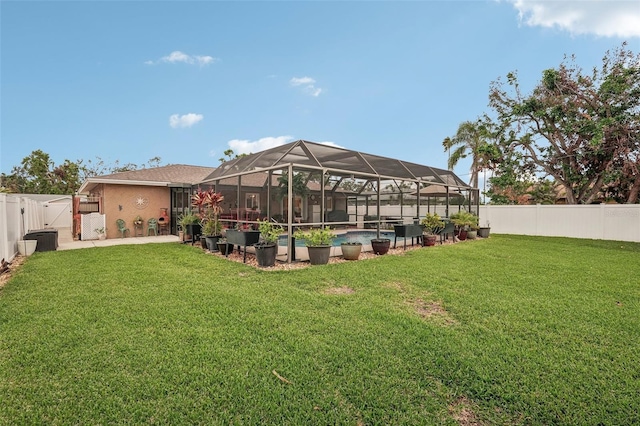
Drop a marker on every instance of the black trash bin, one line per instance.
(47, 239)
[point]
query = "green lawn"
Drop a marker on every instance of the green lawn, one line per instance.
(509, 330)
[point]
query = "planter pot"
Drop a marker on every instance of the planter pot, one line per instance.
(429, 240)
(380, 246)
(351, 251)
(27, 247)
(266, 254)
(319, 255)
(484, 232)
(203, 242)
(102, 237)
(212, 242)
(462, 235)
(471, 235)
(225, 248)
(242, 238)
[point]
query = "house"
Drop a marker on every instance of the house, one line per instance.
(143, 193)
(325, 182)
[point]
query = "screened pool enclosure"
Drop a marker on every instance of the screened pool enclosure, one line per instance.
(306, 184)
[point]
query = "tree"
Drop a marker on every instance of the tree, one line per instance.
(472, 138)
(581, 130)
(37, 174)
(298, 185)
(229, 155)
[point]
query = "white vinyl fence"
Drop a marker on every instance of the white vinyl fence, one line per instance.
(18, 215)
(618, 222)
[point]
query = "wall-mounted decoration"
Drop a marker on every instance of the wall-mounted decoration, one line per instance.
(140, 202)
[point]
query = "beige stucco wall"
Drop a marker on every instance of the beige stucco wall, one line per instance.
(121, 202)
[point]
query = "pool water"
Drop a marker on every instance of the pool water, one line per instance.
(363, 237)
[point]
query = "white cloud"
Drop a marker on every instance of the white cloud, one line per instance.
(243, 146)
(186, 120)
(308, 84)
(606, 18)
(178, 56)
(299, 81)
(313, 91)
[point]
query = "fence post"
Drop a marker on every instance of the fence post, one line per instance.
(4, 241)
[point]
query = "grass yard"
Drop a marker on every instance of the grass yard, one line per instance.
(509, 330)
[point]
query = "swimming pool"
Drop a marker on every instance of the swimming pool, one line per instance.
(363, 237)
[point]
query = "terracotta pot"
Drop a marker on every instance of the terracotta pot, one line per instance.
(429, 240)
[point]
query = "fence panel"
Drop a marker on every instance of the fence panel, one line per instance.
(618, 222)
(15, 222)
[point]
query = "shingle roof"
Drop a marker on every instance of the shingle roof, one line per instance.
(173, 173)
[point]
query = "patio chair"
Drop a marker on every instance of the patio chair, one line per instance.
(122, 228)
(152, 225)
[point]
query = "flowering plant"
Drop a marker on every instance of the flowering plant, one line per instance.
(138, 221)
(209, 208)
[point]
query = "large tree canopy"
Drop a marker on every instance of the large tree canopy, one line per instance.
(580, 129)
(38, 174)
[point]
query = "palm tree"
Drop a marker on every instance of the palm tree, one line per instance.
(468, 140)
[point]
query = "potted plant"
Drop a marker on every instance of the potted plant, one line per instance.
(102, 233)
(187, 222)
(224, 247)
(209, 208)
(351, 250)
(464, 222)
(484, 231)
(137, 225)
(472, 232)
(211, 230)
(431, 225)
(267, 248)
(380, 246)
(318, 242)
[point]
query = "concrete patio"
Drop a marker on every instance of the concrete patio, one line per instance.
(66, 241)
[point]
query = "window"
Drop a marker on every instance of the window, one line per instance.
(252, 201)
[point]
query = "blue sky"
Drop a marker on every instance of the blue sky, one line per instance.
(185, 81)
